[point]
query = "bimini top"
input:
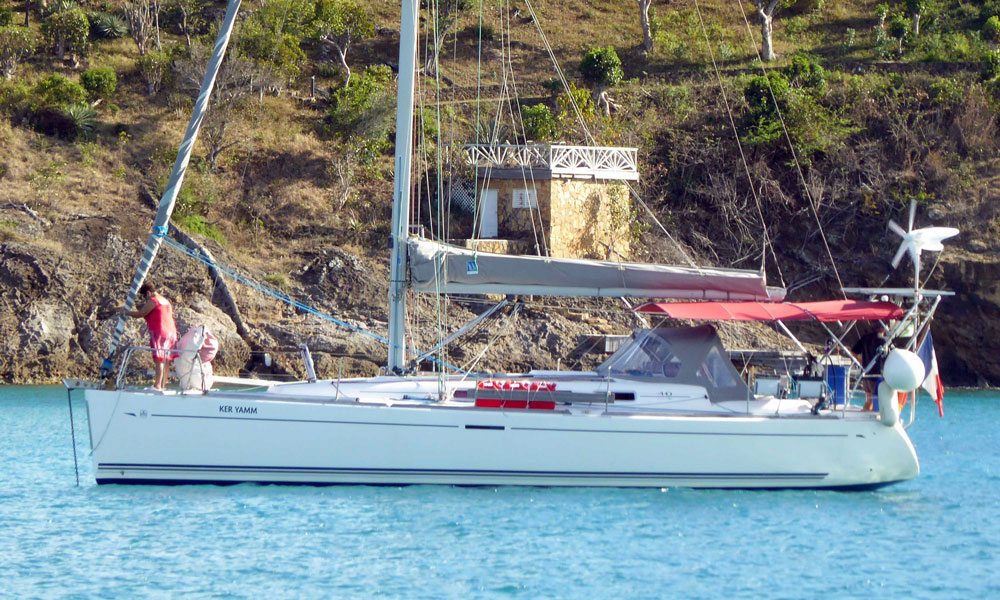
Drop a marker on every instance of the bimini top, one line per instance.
(826, 311)
(688, 355)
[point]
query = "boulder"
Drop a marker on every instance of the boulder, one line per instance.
(46, 329)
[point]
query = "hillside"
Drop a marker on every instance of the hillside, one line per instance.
(293, 189)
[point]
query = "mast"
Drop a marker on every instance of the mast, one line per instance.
(169, 198)
(401, 186)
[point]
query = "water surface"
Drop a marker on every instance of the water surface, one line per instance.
(937, 536)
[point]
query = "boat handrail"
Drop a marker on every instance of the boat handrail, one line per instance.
(127, 357)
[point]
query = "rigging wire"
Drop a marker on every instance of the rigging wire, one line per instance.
(590, 137)
(281, 296)
(543, 249)
(467, 368)
(791, 148)
(768, 244)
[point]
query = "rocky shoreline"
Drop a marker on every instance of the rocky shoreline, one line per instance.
(60, 282)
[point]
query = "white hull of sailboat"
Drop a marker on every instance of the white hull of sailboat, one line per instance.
(140, 437)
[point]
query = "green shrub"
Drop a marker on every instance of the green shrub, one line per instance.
(362, 113)
(106, 26)
(16, 44)
(948, 46)
(272, 34)
(991, 30)
(100, 82)
(796, 25)
(990, 8)
(66, 31)
(991, 65)
(15, 98)
(196, 224)
(484, 31)
(276, 280)
(805, 73)
(947, 92)
(602, 66)
(578, 96)
(6, 15)
(539, 123)
(54, 90)
(153, 69)
(759, 90)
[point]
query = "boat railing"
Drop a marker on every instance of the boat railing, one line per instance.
(123, 372)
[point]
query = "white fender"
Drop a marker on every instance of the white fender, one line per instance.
(888, 404)
(903, 370)
(187, 365)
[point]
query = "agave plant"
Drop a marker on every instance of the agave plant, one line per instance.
(83, 117)
(105, 26)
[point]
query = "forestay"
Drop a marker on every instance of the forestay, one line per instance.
(445, 269)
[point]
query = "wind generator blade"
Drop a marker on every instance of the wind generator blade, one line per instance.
(913, 213)
(899, 254)
(915, 255)
(169, 198)
(894, 226)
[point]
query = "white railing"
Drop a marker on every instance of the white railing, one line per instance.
(590, 161)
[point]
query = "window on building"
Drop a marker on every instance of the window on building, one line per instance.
(525, 199)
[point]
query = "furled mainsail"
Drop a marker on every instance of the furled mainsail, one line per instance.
(445, 269)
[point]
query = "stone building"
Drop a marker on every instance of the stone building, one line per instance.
(568, 201)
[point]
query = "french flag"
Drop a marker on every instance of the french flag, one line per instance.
(932, 383)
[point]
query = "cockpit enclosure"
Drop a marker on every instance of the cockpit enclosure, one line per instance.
(688, 355)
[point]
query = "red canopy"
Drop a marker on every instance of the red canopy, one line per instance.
(826, 311)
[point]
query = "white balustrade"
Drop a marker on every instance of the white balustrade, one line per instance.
(562, 161)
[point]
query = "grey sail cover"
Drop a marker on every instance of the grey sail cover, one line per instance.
(445, 269)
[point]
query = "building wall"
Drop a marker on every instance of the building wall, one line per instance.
(581, 218)
(590, 219)
(516, 223)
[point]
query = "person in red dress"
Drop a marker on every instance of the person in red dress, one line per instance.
(159, 315)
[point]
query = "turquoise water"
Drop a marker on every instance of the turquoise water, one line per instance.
(934, 537)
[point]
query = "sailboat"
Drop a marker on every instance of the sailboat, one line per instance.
(667, 409)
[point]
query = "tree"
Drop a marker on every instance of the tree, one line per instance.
(647, 36)
(602, 67)
(362, 114)
(444, 15)
(232, 89)
(152, 67)
(143, 18)
(916, 9)
(338, 23)
(16, 44)
(765, 10)
(190, 17)
(881, 13)
(271, 36)
(66, 30)
(898, 30)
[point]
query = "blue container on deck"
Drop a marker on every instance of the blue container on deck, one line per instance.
(836, 378)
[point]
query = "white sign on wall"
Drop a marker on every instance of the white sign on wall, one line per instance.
(525, 199)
